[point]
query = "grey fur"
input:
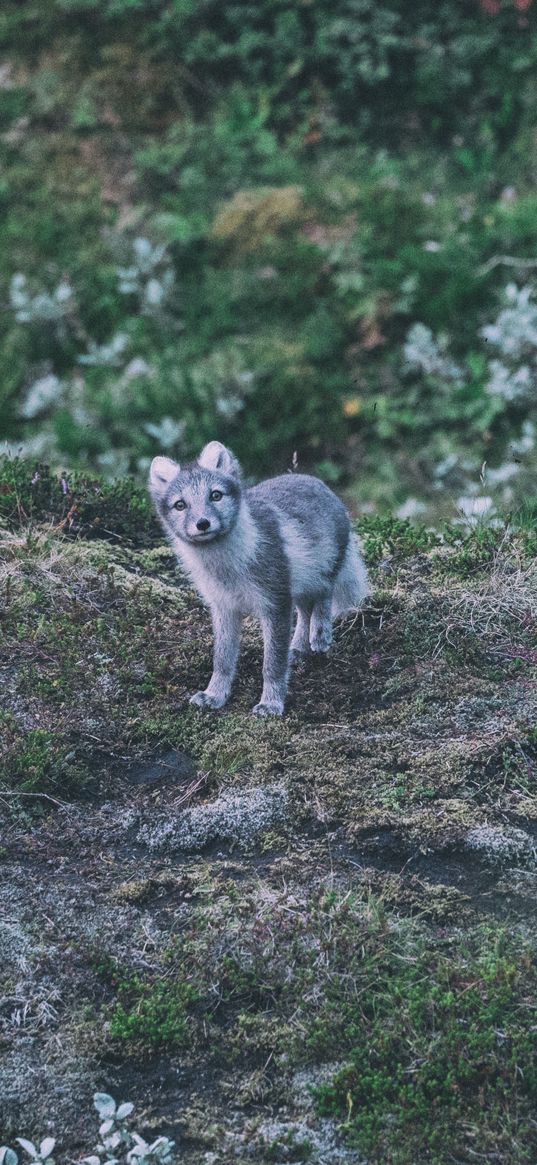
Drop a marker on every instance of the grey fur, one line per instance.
(282, 545)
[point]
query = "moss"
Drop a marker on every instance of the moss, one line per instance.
(253, 215)
(433, 1025)
(245, 743)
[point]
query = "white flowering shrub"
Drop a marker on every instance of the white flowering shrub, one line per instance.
(425, 353)
(149, 274)
(167, 433)
(116, 1145)
(44, 392)
(223, 379)
(67, 406)
(110, 353)
(515, 330)
(454, 403)
(43, 307)
(513, 377)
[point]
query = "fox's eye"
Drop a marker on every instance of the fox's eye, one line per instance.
(215, 495)
(180, 505)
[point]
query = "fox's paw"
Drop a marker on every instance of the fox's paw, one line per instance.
(297, 658)
(204, 700)
(274, 709)
(321, 639)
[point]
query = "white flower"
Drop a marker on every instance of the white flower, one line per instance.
(446, 465)
(41, 394)
(526, 442)
(502, 473)
(63, 292)
(147, 257)
(18, 296)
(128, 280)
(515, 330)
(423, 352)
(410, 508)
(43, 306)
(514, 385)
(474, 508)
(137, 367)
(154, 293)
(167, 432)
(149, 274)
(106, 353)
(142, 249)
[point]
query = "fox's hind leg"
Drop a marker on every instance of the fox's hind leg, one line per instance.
(300, 643)
(321, 625)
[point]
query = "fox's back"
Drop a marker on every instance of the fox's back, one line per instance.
(314, 527)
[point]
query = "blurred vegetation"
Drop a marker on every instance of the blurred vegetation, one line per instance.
(294, 226)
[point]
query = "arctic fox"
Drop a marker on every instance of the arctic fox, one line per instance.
(280, 546)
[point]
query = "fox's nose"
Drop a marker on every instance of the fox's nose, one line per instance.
(203, 525)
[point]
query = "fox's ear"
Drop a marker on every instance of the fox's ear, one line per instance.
(216, 456)
(162, 472)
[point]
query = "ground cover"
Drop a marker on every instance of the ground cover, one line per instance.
(302, 939)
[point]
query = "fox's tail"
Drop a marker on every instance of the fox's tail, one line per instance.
(352, 583)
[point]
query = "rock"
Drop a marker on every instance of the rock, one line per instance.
(237, 815)
(501, 845)
(173, 766)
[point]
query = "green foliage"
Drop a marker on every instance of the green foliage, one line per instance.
(474, 549)
(445, 1038)
(74, 504)
(238, 221)
(40, 761)
(433, 1029)
(151, 1012)
(383, 536)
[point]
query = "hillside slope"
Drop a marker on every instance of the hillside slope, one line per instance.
(301, 939)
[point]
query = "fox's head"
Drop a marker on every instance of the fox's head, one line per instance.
(199, 502)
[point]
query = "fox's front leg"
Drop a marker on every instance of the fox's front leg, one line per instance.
(227, 633)
(276, 629)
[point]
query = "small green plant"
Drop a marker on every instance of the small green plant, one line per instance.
(41, 761)
(289, 1148)
(41, 1155)
(117, 1144)
(152, 1012)
(383, 536)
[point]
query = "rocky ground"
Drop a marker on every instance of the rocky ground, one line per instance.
(301, 939)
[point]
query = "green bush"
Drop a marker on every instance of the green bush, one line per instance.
(235, 220)
(151, 1013)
